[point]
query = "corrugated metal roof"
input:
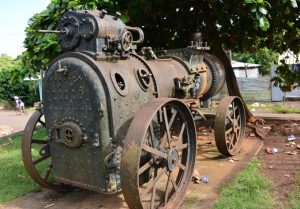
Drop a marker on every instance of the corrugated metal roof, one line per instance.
(236, 64)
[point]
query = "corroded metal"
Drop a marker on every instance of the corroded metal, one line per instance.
(158, 155)
(230, 123)
(121, 120)
(36, 153)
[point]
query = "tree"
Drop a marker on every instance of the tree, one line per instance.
(265, 57)
(239, 25)
(12, 82)
(6, 62)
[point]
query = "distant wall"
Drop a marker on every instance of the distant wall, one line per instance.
(252, 89)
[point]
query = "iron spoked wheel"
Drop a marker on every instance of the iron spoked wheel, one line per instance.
(230, 125)
(158, 156)
(36, 153)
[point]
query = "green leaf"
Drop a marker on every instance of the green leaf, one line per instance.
(264, 23)
(73, 4)
(253, 9)
(249, 1)
(263, 10)
(294, 4)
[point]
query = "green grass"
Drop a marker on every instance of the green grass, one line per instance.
(275, 108)
(295, 195)
(249, 190)
(282, 109)
(14, 180)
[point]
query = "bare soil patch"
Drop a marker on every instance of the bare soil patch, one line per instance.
(281, 166)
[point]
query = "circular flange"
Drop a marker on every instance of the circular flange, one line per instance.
(87, 28)
(158, 155)
(230, 125)
(70, 38)
(172, 159)
(71, 134)
(143, 78)
(120, 82)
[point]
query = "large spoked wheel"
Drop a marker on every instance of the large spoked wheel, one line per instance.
(230, 125)
(158, 156)
(36, 153)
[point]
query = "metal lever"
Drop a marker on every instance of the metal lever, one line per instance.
(52, 31)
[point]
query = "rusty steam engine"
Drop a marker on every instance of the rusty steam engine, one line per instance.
(114, 119)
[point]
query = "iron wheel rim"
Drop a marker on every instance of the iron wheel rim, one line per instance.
(230, 125)
(163, 163)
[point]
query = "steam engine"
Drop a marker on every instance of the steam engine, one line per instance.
(92, 92)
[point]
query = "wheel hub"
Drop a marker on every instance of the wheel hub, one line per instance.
(172, 159)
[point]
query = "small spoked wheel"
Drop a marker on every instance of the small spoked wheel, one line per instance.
(36, 153)
(158, 156)
(230, 125)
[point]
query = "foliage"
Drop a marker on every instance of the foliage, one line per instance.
(267, 59)
(239, 25)
(264, 56)
(12, 83)
(43, 47)
(249, 190)
(287, 78)
(6, 62)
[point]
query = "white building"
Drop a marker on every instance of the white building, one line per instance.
(245, 70)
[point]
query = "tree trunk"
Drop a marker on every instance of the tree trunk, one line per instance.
(232, 85)
(216, 45)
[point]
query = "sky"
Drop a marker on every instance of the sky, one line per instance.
(14, 17)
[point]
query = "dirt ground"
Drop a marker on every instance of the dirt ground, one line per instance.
(281, 166)
(209, 162)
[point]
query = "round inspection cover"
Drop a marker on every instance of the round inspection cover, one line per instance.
(120, 82)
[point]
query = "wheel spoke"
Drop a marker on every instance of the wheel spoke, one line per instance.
(167, 126)
(151, 134)
(182, 146)
(145, 167)
(38, 141)
(229, 131)
(40, 159)
(153, 196)
(173, 182)
(230, 119)
(172, 118)
(167, 191)
(48, 171)
(152, 184)
(179, 142)
(42, 122)
(238, 118)
(182, 167)
(154, 151)
(233, 109)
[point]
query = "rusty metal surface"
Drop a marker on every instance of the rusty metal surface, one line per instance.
(100, 110)
(158, 155)
(230, 123)
(32, 162)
